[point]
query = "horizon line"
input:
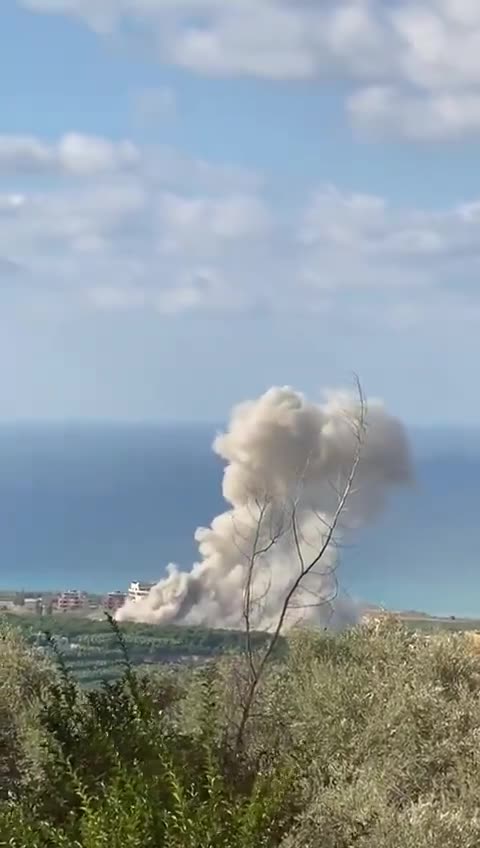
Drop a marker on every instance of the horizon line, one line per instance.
(88, 421)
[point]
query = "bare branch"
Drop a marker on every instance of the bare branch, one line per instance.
(327, 538)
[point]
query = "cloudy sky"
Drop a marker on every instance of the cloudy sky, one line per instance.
(200, 198)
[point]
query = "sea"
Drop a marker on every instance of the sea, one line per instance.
(94, 506)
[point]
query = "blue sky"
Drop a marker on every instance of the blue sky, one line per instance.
(199, 199)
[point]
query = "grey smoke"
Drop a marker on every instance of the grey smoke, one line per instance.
(282, 450)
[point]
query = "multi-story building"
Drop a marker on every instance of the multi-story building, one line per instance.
(138, 590)
(71, 601)
(114, 600)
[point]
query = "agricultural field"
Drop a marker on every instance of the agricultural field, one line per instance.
(90, 648)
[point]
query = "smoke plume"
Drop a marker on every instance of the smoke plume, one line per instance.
(285, 458)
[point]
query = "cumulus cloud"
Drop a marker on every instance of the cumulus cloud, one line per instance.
(407, 64)
(204, 224)
(390, 111)
(73, 154)
(412, 264)
(369, 226)
(174, 235)
(169, 234)
(277, 40)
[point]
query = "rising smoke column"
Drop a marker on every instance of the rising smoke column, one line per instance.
(282, 450)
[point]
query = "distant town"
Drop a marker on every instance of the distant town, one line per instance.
(72, 600)
(75, 602)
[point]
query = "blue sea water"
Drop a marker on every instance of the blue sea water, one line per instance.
(95, 506)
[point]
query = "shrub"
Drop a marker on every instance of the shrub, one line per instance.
(368, 738)
(23, 676)
(122, 772)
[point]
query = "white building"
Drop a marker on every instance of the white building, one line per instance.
(138, 590)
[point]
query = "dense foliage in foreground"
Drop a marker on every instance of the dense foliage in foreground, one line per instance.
(368, 739)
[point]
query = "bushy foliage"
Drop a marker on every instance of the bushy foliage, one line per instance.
(369, 738)
(23, 675)
(120, 771)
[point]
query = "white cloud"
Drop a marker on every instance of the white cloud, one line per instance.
(401, 59)
(24, 154)
(194, 238)
(290, 39)
(261, 39)
(390, 111)
(83, 155)
(76, 155)
(360, 243)
(205, 224)
(169, 234)
(168, 167)
(73, 154)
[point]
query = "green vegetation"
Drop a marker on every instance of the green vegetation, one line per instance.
(91, 651)
(369, 739)
(92, 654)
